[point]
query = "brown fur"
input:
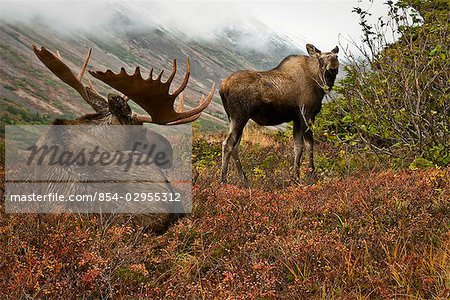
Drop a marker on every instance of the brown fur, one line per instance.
(152, 95)
(293, 91)
(119, 113)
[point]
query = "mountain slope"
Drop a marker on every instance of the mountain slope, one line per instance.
(26, 83)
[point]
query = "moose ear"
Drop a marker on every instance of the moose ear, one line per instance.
(335, 50)
(312, 51)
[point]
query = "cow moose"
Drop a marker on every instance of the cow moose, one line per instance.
(292, 91)
(152, 95)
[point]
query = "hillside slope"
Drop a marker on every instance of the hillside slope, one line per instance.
(26, 83)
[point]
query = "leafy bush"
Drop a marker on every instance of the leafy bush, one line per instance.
(395, 99)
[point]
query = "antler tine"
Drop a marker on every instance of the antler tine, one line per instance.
(185, 120)
(56, 65)
(160, 75)
(172, 75)
(150, 76)
(137, 73)
(147, 119)
(185, 80)
(85, 63)
(180, 103)
(142, 118)
(204, 102)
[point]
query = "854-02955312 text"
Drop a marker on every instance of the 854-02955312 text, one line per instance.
(101, 197)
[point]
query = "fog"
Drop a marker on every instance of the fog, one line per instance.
(323, 23)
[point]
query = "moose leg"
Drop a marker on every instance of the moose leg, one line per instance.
(229, 144)
(309, 143)
(298, 146)
(237, 162)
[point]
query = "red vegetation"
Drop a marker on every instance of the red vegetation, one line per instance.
(382, 236)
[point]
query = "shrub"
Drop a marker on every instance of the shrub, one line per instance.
(395, 97)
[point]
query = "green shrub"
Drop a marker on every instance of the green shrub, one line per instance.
(395, 97)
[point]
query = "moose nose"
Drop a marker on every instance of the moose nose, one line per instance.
(333, 71)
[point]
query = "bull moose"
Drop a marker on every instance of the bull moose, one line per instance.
(151, 94)
(292, 91)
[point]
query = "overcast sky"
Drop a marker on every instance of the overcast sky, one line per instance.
(319, 22)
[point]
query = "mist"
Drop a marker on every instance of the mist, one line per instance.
(196, 19)
(323, 23)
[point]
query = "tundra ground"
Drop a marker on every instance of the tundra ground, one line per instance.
(361, 231)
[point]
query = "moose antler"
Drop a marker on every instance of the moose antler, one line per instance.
(153, 94)
(55, 64)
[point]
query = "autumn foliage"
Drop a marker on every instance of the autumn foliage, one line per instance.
(368, 235)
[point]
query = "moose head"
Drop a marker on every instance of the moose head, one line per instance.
(154, 97)
(328, 63)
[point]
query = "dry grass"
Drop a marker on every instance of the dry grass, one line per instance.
(360, 235)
